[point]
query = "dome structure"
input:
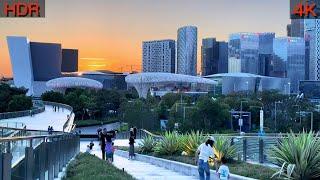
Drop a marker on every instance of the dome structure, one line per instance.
(73, 82)
(144, 81)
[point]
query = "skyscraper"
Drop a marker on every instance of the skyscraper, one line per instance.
(250, 52)
(158, 56)
(214, 56)
(69, 60)
(296, 28)
(289, 60)
(187, 50)
(312, 35)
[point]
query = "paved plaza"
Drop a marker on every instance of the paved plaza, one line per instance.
(139, 170)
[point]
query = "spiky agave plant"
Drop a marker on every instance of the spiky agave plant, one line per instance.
(168, 145)
(298, 156)
(147, 144)
(191, 142)
(223, 148)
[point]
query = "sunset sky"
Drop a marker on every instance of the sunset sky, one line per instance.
(109, 33)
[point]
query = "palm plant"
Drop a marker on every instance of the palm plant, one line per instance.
(147, 144)
(191, 141)
(223, 148)
(298, 156)
(168, 145)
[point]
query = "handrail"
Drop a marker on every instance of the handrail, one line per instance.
(38, 109)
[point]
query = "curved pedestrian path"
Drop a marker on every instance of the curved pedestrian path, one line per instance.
(42, 120)
(137, 169)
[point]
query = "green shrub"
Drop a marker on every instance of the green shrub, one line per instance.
(147, 144)
(298, 156)
(20, 103)
(168, 145)
(191, 141)
(223, 148)
(53, 96)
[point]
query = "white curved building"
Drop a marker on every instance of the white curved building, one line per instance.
(142, 82)
(61, 84)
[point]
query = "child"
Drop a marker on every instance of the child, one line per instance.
(131, 147)
(91, 145)
(223, 171)
(109, 151)
(88, 150)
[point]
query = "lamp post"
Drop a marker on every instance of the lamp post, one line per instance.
(275, 114)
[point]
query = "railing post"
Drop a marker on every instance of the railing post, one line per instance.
(244, 149)
(56, 158)
(42, 156)
(29, 162)
(5, 163)
(50, 157)
(261, 146)
(60, 154)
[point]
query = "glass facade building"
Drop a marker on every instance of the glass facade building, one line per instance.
(289, 60)
(187, 50)
(250, 52)
(310, 89)
(312, 35)
(214, 56)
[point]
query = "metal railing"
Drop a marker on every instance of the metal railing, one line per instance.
(37, 154)
(38, 108)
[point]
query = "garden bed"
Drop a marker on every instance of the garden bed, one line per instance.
(87, 166)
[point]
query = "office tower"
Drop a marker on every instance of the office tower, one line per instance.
(214, 57)
(69, 60)
(187, 50)
(312, 35)
(288, 30)
(289, 60)
(250, 52)
(158, 56)
(296, 28)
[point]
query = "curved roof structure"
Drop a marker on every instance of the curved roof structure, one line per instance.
(71, 82)
(144, 81)
(158, 77)
(233, 75)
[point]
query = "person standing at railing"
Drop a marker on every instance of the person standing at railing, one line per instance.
(103, 135)
(131, 147)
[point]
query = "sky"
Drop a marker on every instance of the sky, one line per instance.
(109, 33)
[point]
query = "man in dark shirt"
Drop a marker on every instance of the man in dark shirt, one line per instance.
(103, 135)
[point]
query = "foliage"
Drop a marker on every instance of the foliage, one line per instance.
(138, 113)
(298, 156)
(223, 148)
(93, 122)
(168, 145)
(86, 166)
(6, 96)
(20, 103)
(191, 142)
(53, 96)
(147, 144)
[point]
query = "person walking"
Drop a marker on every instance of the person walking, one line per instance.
(224, 172)
(205, 151)
(131, 147)
(103, 135)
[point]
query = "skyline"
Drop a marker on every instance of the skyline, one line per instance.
(101, 35)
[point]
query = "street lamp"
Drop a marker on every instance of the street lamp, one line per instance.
(275, 114)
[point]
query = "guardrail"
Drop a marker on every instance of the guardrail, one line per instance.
(37, 155)
(38, 108)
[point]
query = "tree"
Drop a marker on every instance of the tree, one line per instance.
(19, 103)
(53, 96)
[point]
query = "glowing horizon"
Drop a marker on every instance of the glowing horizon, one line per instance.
(109, 33)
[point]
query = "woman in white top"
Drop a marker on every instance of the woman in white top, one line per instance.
(205, 150)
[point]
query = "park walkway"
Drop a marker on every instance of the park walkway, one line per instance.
(42, 120)
(137, 169)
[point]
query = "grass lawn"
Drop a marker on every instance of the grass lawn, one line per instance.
(236, 167)
(86, 166)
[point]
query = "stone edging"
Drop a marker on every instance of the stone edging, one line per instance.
(187, 169)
